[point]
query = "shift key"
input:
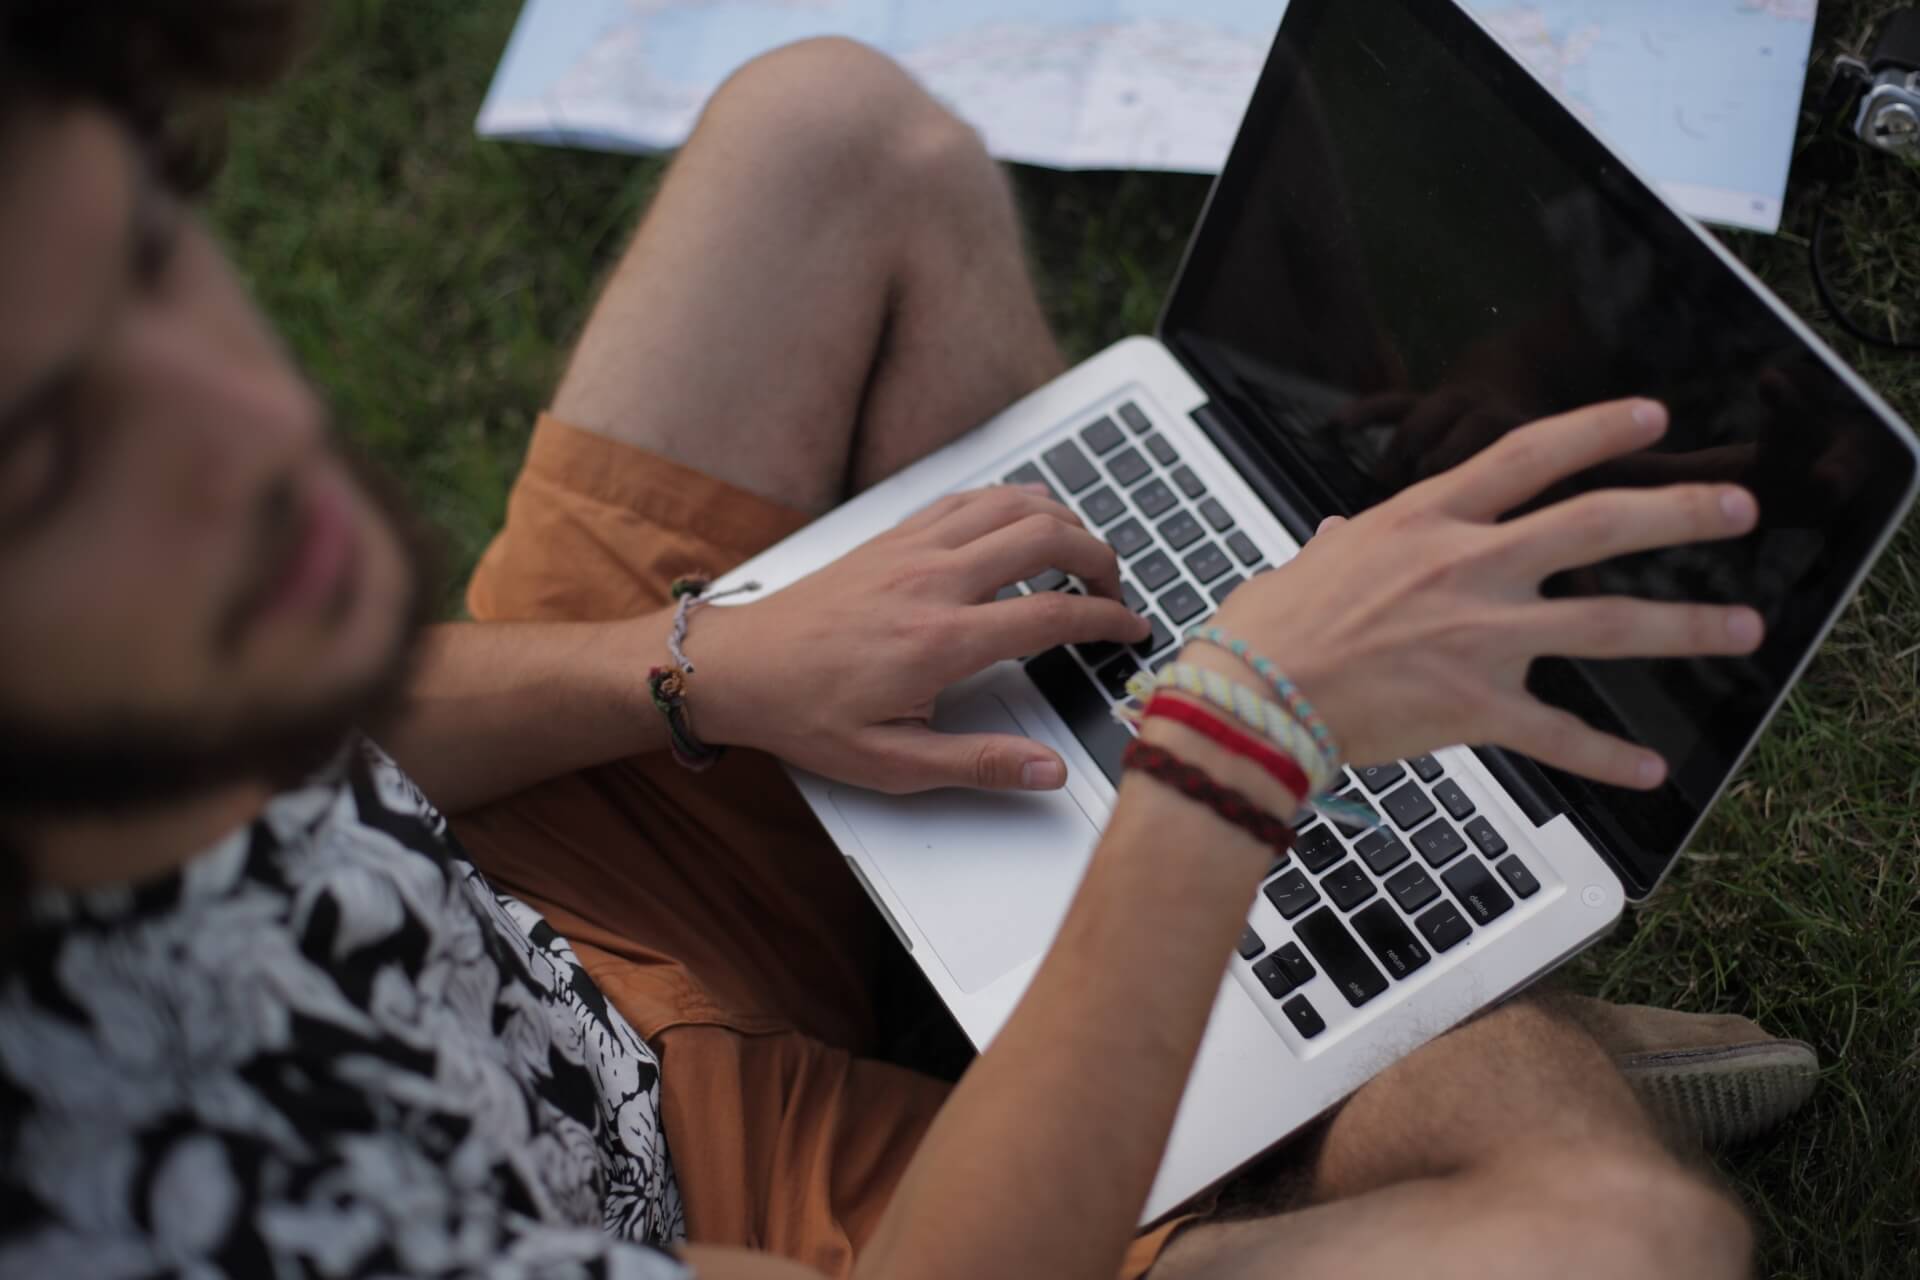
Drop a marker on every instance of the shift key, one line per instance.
(1340, 957)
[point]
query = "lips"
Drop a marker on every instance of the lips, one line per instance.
(309, 550)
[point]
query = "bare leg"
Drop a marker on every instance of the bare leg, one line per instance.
(829, 285)
(1509, 1147)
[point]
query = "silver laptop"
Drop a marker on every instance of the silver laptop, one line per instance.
(1414, 247)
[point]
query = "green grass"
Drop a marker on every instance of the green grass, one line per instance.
(432, 283)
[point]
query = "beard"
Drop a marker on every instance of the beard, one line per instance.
(128, 763)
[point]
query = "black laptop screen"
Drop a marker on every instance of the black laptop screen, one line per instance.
(1415, 249)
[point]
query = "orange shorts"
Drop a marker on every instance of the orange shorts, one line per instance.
(711, 908)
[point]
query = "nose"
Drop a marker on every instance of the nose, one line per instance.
(233, 422)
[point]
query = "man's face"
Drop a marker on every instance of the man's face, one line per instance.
(191, 579)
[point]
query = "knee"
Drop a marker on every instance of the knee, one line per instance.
(844, 118)
(1644, 1214)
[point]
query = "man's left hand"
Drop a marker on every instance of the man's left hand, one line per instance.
(838, 673)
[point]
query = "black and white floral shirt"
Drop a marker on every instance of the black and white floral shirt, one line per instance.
(323, 1048)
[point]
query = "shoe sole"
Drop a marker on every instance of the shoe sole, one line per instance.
(1717, 1097)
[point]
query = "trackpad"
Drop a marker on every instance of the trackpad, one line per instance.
(986, 876)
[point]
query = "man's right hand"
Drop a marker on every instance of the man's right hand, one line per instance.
(1413, 625)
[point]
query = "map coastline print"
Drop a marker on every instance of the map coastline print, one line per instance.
(1702, 96)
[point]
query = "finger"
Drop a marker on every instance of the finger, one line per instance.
(996, 508)
(1017, 551)
(1329, 525)
(917, 758)
(1565, 741)
(1622, 627)
(1618, 522)
(1033, 624)
(1538, 455)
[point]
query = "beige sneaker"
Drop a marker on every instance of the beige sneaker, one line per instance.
(1709, 1079)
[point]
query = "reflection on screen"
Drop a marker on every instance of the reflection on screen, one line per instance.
(1413, 252)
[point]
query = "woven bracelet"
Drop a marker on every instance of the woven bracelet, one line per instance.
(1227, 804)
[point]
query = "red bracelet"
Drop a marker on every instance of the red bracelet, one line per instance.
(1284, 769)
(1165, 767)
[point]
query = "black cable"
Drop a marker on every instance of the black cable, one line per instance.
(1816, 252)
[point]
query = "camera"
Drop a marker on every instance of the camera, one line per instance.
(1883, 90)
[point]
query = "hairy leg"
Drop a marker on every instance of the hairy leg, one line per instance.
(1509, 1147)
(830, 284)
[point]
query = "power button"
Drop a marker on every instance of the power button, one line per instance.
(1594, 896)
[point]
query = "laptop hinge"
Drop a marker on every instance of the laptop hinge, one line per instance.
(1282, 498)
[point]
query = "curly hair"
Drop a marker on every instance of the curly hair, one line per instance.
(163, 66)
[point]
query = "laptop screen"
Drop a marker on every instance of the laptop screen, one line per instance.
(1413, 249)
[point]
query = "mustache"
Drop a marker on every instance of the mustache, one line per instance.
(278, 529)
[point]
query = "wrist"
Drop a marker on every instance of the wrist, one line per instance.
(718, 645)
(1227, 767)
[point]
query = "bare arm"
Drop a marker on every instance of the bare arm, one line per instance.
(495, 707)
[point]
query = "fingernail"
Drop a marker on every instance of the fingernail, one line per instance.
(1650, 413)
(1739, 506)
(1043, 775)
(1652, 771)
(1744, 628)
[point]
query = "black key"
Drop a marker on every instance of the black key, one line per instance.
(1189, 483)
(1154, 643)
(1097, 652)
(1438, 843)
(1250, 943)
(1103, 436)
(1155, 571)
(1340, 957)
(1378, 777)
(1289, 892)
(1207, 562)
(1412, 888)
(1274, 978)
(1318, 849)
(1079, 702)
(1129, 538)
(1224, 588)
(1114, 676)
(1307, 818)
(1032, 474)
(1131, 595)
(1381, 851)
(1047, 580)
(1163, 660)
(1071, 466)
(1304, 1017)
(1426, 766)
(1448, 793)
(1102, 505)
(1243, 549)
(1347, 885)
(1443, 926)
(1134, 417)
(1180, 530)
(1391, 942)
(1216, 515)
(1351, 827)
(1409, 806)
(1162, 451)
(1295, 962)
(1128, 467)
(1154, 499)
(1484, 900)
(1518, 878)
(1183, 604)
(1009, 592)
(1481, 832)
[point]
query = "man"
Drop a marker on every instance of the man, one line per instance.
(260, 1013)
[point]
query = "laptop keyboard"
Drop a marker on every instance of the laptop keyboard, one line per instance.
(1364, 907)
